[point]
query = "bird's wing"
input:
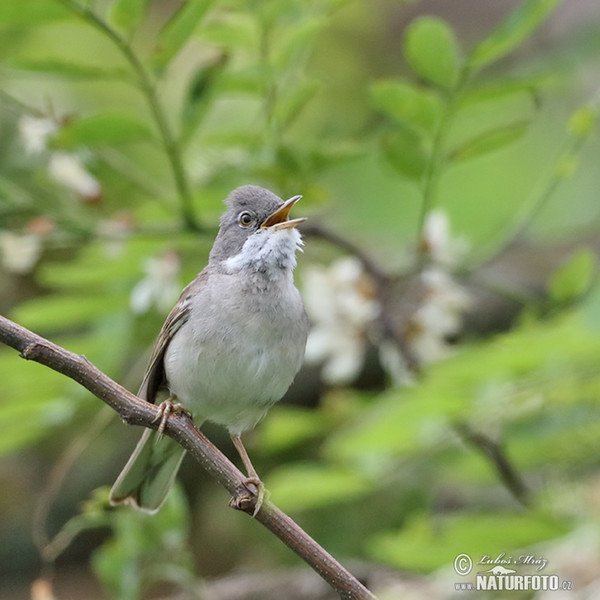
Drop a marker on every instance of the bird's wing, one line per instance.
(155, 378)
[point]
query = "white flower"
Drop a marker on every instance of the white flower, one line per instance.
(68, 170)
(160, 287)
(19, 252)
(438, 317)
(340, 302)
(438, 242)
(35, 131)
(115, 231)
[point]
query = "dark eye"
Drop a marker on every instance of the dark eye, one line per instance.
(246, 219)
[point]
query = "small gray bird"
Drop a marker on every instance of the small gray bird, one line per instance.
(232, 344)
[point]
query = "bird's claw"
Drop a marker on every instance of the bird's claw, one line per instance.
(166, 409)
(251, 496)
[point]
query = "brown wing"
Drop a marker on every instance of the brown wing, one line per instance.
(155, 378)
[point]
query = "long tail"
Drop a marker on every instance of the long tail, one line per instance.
(149, 473)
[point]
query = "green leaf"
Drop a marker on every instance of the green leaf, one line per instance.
(297, 38)
(242, 81)
(478, 378)
(591, 309)
(512, 31)
(407, 104)
(200, 91)
(93, 516)
(28, 421)
(426, 543)
(231, 30)
(431, 50)
(128, 14)
(404, 151)
(293, 103)
(103, 129)
(51, 313)
(308, 485)
(27, 13)
(289, 426)
(179, 29)
(489, 141)
(573, 278)
(43, 403)
(508, 88)
(66, 69)
(583, 121)
(146, 548)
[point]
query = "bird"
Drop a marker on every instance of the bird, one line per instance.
(230, 347)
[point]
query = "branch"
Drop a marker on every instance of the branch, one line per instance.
(135, 411)
(495, 453)
(335, 239)
(148, 88)
(436, 160)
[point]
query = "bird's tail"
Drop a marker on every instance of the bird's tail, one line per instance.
(149, 473)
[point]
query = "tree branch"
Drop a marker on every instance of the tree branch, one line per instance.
(135, 411)
(148, 88)
(494, 452)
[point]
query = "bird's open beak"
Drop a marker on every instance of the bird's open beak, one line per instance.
(279, 219)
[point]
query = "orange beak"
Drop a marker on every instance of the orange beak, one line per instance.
(279, 219)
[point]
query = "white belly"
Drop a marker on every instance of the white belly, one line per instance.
(231, 376)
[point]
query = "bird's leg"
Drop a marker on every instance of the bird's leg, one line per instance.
(166, 409)
(253, 478)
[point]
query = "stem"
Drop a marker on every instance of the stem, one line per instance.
(437, 158)
(270, 90)
(181, 428)
(570, 149)
(148, 88)
(494, 452)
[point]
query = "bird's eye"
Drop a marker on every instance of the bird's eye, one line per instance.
(246, 219)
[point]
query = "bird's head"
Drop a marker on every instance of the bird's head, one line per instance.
(256, 232)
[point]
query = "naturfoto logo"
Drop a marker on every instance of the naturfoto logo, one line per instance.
(503, 573)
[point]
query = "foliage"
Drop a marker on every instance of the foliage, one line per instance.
(147, 114)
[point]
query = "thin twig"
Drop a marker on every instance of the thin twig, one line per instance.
(542, 193)
(57, 476)
(148, 88)
(181, 428)
(369, 265)
(495, 454)
(437, 157)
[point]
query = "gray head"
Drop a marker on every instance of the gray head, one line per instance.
(257, 216)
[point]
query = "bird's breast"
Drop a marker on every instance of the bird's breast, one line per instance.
(238, 352)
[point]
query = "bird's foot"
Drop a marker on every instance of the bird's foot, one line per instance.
(166, 409)
(254, 487)
(251, 497)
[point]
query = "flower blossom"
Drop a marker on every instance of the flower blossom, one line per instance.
(65, 168)
(34, 132)
(438, 317)
(68, 170)
(341, 305)
(19, 252)
(160, 287)
(437, 241)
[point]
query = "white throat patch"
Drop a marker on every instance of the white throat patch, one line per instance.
(267, 251)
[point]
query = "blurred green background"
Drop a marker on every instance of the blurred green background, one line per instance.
(450, 402)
